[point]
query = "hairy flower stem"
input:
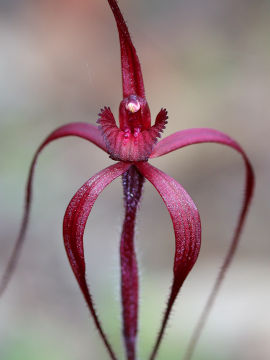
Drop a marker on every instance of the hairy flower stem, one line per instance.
(132, 185)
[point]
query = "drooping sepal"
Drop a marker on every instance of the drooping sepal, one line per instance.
(85, 131)
(188, 137)
(187, 229)
(74, 223)
(131, 143)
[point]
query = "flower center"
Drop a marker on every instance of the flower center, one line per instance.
(133, 106)
(134, 114)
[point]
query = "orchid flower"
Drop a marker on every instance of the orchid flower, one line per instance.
(131, 145)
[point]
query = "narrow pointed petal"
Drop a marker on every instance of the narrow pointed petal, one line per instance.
(204, 135)
(132, 79)
(187, 137)
(83, 130)
(187, 229)
(74, 223)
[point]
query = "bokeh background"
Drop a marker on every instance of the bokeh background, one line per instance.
(208, 63)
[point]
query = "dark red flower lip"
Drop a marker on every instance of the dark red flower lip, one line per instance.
(130, 144)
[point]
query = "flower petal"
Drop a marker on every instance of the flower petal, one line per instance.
(132, 79)
(83, 130)
(192, 136)
(187, 228)
(74, 223)
(203, 135)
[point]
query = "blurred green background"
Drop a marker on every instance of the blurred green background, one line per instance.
(208, 63)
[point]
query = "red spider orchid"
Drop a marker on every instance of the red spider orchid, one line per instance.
(132, 144)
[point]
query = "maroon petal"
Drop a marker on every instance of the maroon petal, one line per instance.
(75, 220)
(132, 79)
(193, 136)
(187, 228)
(83, 130)
(203, 135)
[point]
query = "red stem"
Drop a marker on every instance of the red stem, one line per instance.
(132, 185)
